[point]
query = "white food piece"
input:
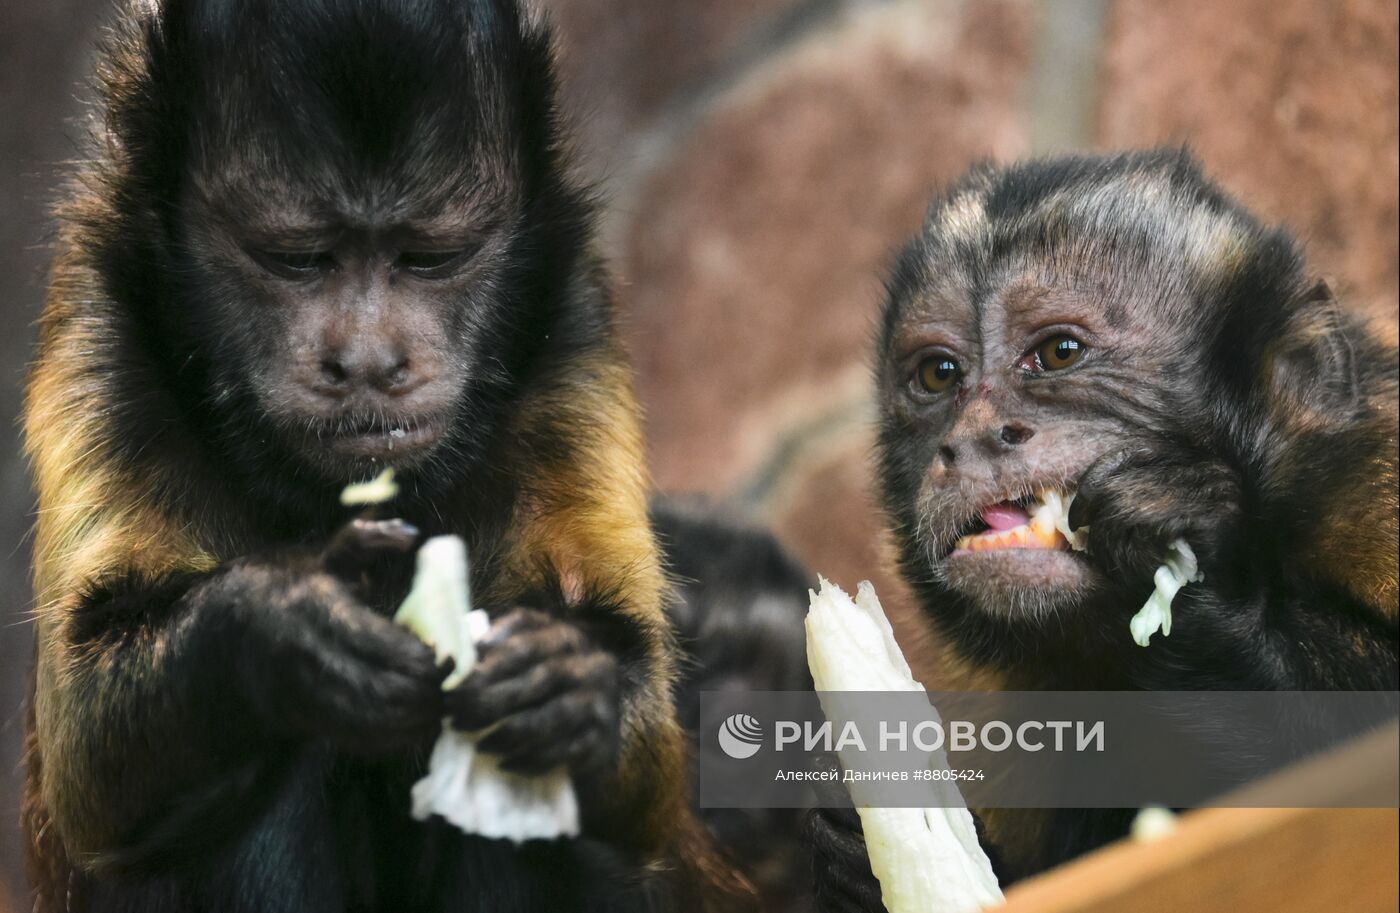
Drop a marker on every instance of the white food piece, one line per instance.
(464, 786)
(437, 607)
(377, 490)
(926, 859)
(1152, 823)
(1179, 569)
(1054, 512)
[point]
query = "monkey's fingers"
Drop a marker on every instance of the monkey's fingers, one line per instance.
(346, 627)
(523, 640)
(1136, 503)
(339, 671)
(479, 702)
(551, 695)
(362, 543)
(371, 715)
(843, 881)
(579, 729)
(832, 797)
(506, 630)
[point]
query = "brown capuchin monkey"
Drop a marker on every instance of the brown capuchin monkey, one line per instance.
(1118, 328)
(311, 240)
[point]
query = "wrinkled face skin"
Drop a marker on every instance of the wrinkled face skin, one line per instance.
(995, 404)
(1018, 350)
(345, 232)
(356, 327)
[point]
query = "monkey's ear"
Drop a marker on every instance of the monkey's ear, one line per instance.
(1312, 367)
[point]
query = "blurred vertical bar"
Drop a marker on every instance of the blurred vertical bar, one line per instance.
(44, 53)
(1063, 93)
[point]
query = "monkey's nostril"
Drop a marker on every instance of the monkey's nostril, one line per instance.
(946, 454)
(333, 372)
(1016, 433)
(398, 379)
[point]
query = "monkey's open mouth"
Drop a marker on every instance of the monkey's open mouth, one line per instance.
(1031, 522)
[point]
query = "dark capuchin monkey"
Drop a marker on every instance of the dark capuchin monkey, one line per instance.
(312, 240)
(739, 607)
(1119, 328)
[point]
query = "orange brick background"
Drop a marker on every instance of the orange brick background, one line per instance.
(763, 158)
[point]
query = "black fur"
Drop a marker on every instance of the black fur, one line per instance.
(739, 609)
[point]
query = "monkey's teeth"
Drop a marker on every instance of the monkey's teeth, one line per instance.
(397, 433)
(1041, 532)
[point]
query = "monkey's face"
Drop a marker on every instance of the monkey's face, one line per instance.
(350, 235)
(357, 329)
(1049, 317)
(987, 408)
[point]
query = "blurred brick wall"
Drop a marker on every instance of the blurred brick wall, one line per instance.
(764, 158)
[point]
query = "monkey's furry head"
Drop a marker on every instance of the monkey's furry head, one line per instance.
(1146, 230)
(339, 231)
(1056, 314)
(341, 91)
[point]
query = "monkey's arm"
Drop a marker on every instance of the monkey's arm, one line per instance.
(581, 532)
(588, 682)
(1264, 617)
(165, 708)
(1135, 502)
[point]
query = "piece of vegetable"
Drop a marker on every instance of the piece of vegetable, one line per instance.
(1179, 569)
(926, 859)
(377, 490)
(1152, 823)
(436, 608)
(1053, 514)
(464, 786)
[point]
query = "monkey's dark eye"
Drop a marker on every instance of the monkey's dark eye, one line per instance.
(1058, 352)
(294, 264)
(431, 264)
(937, 373)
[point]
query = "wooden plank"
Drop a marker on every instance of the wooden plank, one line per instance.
(1235, 860)
(1254, 860)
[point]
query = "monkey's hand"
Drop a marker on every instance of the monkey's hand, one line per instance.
(842, 881)
(311, 658)
(1137, 502)
(841, 878)
(548, 692)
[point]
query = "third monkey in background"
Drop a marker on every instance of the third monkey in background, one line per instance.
(1120, 329)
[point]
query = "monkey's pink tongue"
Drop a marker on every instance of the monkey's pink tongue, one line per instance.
(1005, 515)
